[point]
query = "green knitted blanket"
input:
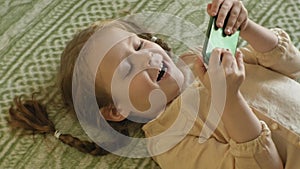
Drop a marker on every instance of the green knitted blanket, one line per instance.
(32, 36)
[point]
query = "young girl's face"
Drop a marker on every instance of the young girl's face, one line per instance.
(141, 62)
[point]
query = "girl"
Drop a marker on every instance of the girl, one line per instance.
(242, 139)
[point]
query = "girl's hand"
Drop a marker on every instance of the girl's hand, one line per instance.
(238, 15)
(231, 68)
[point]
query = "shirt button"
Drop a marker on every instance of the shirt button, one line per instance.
(274, 126)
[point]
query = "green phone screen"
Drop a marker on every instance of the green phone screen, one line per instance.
(215, 37)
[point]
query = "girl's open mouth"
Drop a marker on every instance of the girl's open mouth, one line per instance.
(162, 72)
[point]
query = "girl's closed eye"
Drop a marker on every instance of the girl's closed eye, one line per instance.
(125, 66)
(140, 46)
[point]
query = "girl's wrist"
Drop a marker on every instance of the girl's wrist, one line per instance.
(234, 96)
(245, 25)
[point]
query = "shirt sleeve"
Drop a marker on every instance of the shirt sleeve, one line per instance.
(259, 153)
(284, 58)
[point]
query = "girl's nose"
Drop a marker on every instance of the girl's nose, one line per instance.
(156, 60)
(146, 59)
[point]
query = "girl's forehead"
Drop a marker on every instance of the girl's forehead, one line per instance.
(101, 43)
(115, 43)
(112, 35)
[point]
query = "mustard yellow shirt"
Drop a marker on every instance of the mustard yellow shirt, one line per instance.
(273, 95)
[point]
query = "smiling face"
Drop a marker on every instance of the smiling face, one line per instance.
(142, 64)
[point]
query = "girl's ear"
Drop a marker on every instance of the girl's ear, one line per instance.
(110, 113)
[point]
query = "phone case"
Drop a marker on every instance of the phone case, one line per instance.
(215, 37)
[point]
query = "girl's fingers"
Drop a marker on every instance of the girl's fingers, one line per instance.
(227, 60)
(208, 9)
(223, 12)
(240, 61)
(215, 58)
(232, 10)
(242, 20)
(232, 20)
(215, 6)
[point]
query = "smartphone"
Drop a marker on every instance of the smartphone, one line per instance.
(216, 38)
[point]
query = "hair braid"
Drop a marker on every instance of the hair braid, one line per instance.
(83, 146)
(31, 115)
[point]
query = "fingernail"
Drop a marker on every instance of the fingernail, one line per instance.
(220, 24)
(228, 50)
(228, 31)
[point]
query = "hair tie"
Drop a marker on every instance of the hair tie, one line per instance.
(154, 38)
(57, 134)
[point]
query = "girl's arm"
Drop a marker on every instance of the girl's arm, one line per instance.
(259, 37)
(240, 122)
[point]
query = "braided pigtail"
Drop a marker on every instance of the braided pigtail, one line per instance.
(30, 115)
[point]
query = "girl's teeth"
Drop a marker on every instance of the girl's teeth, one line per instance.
(161, 73)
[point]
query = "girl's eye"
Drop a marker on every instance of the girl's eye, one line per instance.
(140, 46)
